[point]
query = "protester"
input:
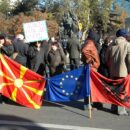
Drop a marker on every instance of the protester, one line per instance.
(90, 56)
(103, 68)
(74, 49)
(116, 56)
(20, 50)
(56, 59)
(6, 48)
(90, 53)
(36, 58)
(46, 45)
(93, 34)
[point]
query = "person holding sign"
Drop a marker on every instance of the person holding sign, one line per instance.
(36, 58)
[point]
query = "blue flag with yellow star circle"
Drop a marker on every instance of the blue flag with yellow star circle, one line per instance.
(69, 86)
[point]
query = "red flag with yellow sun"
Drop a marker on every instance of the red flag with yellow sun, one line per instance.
(20, 84)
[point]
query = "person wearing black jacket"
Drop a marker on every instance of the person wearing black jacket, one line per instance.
(56, 59)
(20, 50)
(36, 58)
(74, 49)
(6, 48)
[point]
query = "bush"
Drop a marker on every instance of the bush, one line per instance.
(14, 24)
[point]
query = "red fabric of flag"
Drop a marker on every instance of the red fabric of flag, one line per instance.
(110, 91)
(20, 84)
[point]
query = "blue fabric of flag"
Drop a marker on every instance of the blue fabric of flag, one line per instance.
(69, 86)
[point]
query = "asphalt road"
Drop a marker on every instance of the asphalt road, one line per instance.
(60, 116)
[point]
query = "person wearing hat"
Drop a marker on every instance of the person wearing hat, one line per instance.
(117, 54)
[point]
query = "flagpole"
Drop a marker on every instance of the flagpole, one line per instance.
(89, 107)
(89, 96)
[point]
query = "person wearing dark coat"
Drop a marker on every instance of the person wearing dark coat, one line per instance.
(56, 59)
(36, 58)
(74, 50)
(46, 45)
(6, 48)
(20, 50)
(93, 34)
(103, 68)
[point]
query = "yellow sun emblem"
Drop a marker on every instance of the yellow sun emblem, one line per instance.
(18, 83)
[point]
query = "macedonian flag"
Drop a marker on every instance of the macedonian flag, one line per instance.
(20, 84)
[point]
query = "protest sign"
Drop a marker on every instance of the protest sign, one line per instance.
(35, 31)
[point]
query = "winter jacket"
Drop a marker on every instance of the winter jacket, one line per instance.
(36, 60)
(7, 50)
(118, 57)
(21, 49)
(103, 68)
(90, 54)
(56, 60)
(74, 48)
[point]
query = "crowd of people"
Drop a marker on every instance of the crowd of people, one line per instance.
(50, 57)
(112, 60)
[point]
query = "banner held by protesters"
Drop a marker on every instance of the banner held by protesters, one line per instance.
(69, 86)
(20, 84)
(110, 91)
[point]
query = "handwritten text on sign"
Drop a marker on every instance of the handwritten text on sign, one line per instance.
(35, 31)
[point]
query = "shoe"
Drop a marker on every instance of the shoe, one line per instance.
(123, 114)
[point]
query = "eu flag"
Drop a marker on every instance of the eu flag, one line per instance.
(69, 86)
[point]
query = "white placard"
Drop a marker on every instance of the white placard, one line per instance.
(35, 31)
